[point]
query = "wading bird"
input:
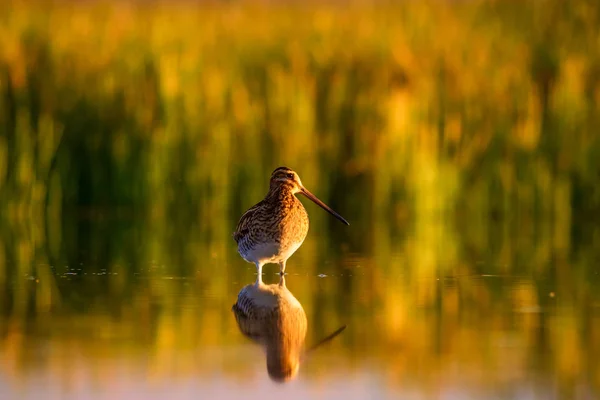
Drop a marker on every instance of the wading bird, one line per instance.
(272, 230)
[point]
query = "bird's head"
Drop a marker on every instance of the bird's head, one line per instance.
(285, 178)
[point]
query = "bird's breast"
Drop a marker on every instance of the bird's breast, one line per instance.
(294, 222)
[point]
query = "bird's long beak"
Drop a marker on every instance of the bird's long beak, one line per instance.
(322, 205)
(326, 339)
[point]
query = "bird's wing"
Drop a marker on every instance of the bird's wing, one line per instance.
(243, 226)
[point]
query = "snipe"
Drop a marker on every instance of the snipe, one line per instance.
(272, 230)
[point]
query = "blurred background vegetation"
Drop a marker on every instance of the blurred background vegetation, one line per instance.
(458, 138)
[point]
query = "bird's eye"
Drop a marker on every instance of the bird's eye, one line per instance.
(290, 175)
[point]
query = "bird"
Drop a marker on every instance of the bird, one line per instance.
(273, 229)
(270, 315)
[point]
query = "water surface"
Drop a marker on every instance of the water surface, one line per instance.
(121, 312)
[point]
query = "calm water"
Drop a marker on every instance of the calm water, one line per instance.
(118, 311)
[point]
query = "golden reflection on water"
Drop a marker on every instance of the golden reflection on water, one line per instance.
(273, 317)
(106, 306)
(506, 321)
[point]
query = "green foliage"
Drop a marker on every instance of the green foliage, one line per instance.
(190, 106)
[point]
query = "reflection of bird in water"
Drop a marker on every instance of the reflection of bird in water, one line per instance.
(272, 230)
(273, 317)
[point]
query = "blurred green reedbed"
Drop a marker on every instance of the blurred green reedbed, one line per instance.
(460, 139)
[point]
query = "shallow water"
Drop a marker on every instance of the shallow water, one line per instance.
(121, 313)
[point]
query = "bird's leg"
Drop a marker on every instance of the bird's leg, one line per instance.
(281, 280)
(258, 272)
(282, 267)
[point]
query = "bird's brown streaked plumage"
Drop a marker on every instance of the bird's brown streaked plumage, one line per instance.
(272, 230)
